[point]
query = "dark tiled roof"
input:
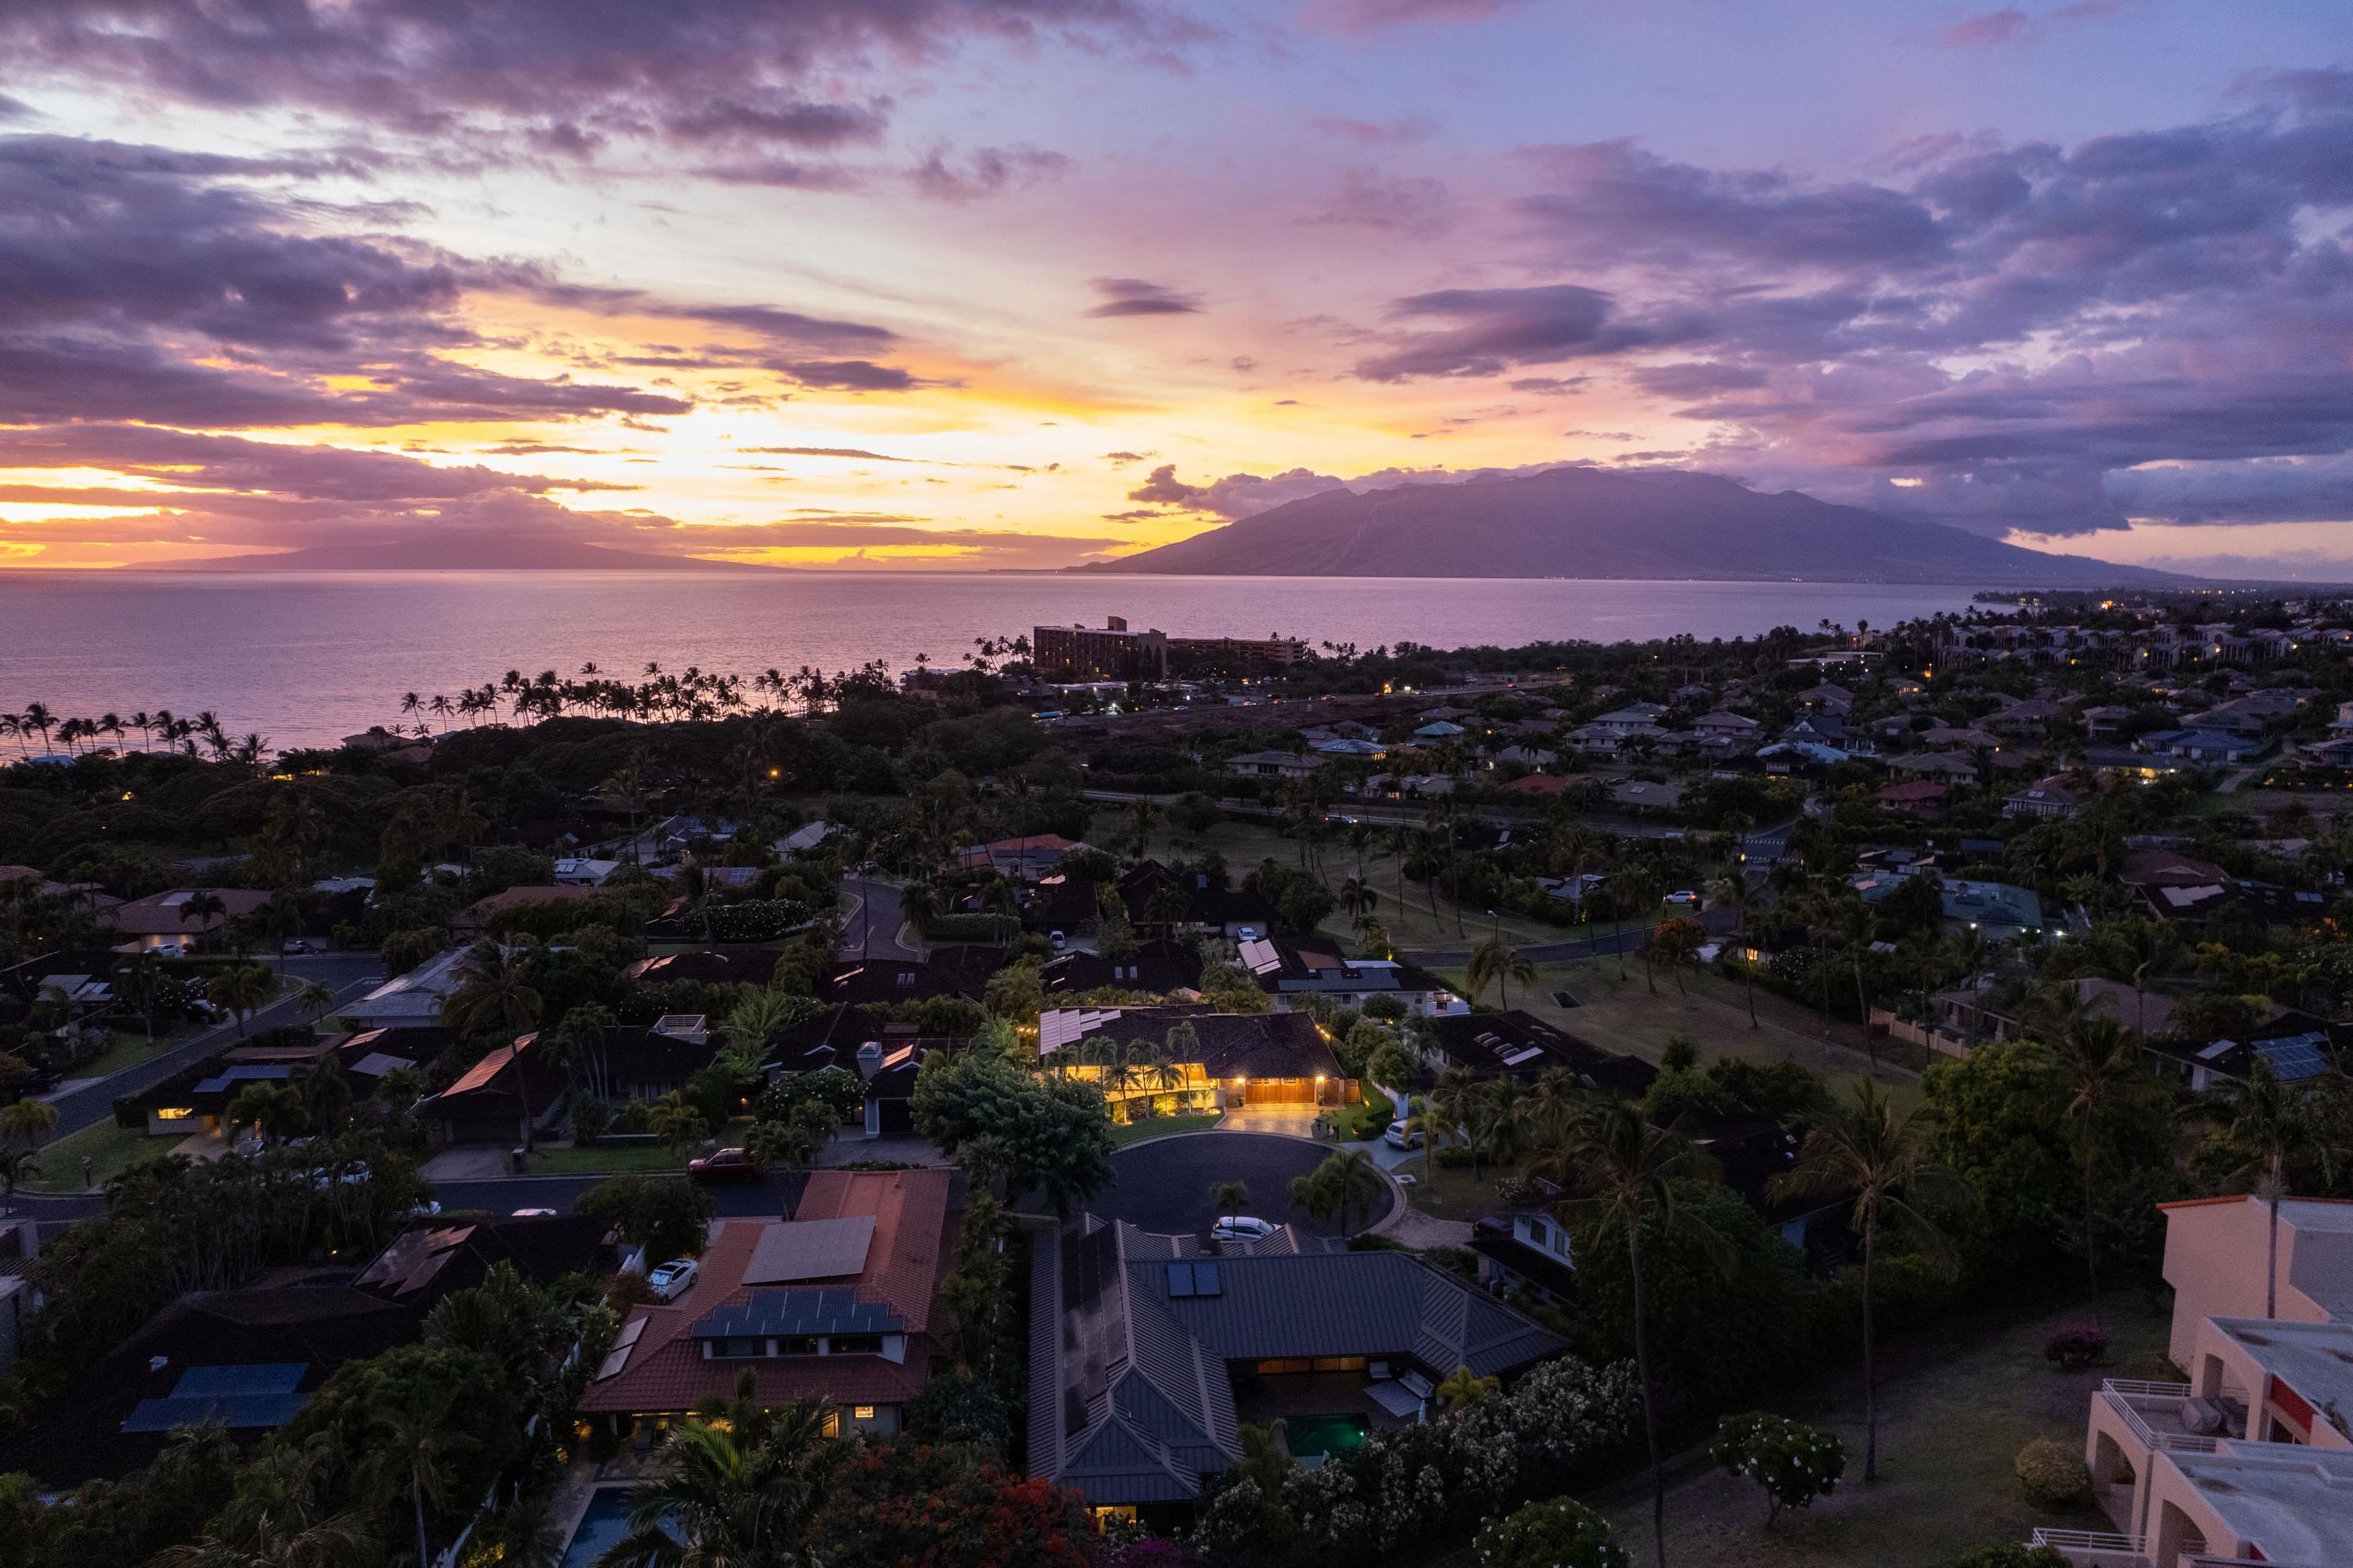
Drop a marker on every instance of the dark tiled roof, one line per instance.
(1524, 1046)
(1131, 1397)
(1233, 1045)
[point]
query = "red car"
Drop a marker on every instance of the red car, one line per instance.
(723, 1165)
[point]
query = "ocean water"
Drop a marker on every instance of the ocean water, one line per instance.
(303, 658)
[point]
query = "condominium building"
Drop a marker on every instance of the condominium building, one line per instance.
(2251, 1459)
(1107, 652)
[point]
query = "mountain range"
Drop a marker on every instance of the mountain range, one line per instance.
(1605, 523)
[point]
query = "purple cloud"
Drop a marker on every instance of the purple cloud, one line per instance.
(1374, 15)
(984, 172)
(1136, 297)
(1502, 328)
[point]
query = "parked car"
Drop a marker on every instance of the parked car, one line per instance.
(1057, 938)
(1396, 1137)
(1246, 933)
(1684, 898)
(298, 946)
(724, 1165)
(673, 1280)
(1242, 1228)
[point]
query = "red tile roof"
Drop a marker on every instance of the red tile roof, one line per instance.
(479, 1074)
(1537, 784)
(158, 914)
(913, 1234)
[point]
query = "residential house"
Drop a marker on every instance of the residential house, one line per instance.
(1518, 1045)
(1233, 1059)
(2105, 723)
(2247, 1461)
(807, 839)
(2027, 719)
(412, 999)
(1285, 765)
(248, 1360)
(1440, 729)
(838, 1304)
(1537, 786)
(1921, 797)
(157, 921)
(491, 1101)
(949, 972)
(1729, 726)
(1158, 966)
(1643, 797)
(1023, 859)
(1210, 905)
(1951, 768)
(1827, 697)
(1294, 973)
(1636, 718)
(483, 916)
(2049, 797)
(580, 871)
(1148, 1353)
(1998, 909)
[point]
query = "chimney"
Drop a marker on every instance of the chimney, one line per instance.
(870, 1058)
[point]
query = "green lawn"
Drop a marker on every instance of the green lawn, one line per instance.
(1624, 1016)
(129, 1050)
(1455, 1194)
(1949, 1434)
(111, 1151)
(1165, 1126)
(607, 1159)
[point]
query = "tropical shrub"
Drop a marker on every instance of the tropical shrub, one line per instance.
(2074, 1346)
(1561, 1534)
(2053, 1472)
(1792, 1462)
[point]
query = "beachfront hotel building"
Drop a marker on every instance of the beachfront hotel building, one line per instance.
(1114, 653)
(2250, 1460)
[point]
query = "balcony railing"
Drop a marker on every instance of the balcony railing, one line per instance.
(2093, 1547)
(2121, 1396)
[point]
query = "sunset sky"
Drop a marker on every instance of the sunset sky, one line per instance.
(1028, 282)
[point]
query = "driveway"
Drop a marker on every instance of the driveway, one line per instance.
(872, 929)
(1163, 1185)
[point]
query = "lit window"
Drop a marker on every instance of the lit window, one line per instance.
(861, 1412)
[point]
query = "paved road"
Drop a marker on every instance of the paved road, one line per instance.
(872, 929)
(1720, 923)
(94, 1103)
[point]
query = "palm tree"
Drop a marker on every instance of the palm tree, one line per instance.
(1494, 962)
(274, 1110)
(243, 988)
(732, 1494)
(2095, 1074)
(2137, 953)
(2266, 1118)
(416, 1439)
(1421, 1117)
(201, 907)
(27, 1121)
(1735, 892)
(1867, 1151)
(1463, 1387)
(1228, 1198)
(1347, 1179)
(314, 1000)
(15, 1164)
(1624, 1171)
(495, 996)
(1674, 941)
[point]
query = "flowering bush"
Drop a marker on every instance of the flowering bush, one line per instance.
(2075, 1346)
(1560, 1419)
(1793, 1462)
(1562, 1533)
(2053, 1472)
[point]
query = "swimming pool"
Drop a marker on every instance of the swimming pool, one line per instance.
(605, 1523)
(1305, 1435)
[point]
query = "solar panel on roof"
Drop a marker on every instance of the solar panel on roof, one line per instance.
(1206, 1281)
(265, 1377)
(234, 1411)
(2301, 1056)
(1180, 1279)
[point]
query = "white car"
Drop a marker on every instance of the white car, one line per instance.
(1240, 1228)
(674, 1278)
(532, 1214)
(1246, 933)
(1058, 940)
(1396, 1137)
(1684, 899)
